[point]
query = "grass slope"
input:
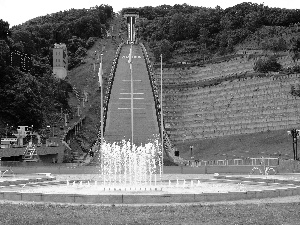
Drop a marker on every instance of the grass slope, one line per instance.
(267, 144)
(85, 78)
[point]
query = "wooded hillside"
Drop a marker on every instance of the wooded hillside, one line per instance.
(36, 97)
(200, 31)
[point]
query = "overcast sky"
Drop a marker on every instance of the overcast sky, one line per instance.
(19, 11)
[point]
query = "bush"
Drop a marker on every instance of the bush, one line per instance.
(74, 62)
(296, 69)
(90, 42)
(81, 52)
(267, 65)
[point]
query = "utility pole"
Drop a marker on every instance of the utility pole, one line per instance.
(101, 111)
(101, 86)
(191, 147)
(161, 113)
(131, 77)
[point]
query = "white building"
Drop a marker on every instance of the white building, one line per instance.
(60, 61)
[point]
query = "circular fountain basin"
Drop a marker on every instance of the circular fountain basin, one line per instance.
(219, 188)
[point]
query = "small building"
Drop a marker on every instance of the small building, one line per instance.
(60, 61)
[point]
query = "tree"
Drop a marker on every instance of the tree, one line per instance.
(4, 52)
(27, 102)
(267, 65)
(4, 29)
(295, 50)
(177, 27)
(253, 20)
(23, 41)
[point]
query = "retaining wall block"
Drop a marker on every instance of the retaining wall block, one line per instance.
(12, 196)
(63, 198)
(259, 194)
(294, 191)
(32, 197)
(99, 199)
(298, 190)
(272, 193)
(200, 197)
(214, 197)
(1, 195)
(250, 194)
(283, 192)
(237, 195)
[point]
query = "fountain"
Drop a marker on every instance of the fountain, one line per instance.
(130, 174)
(130, 165)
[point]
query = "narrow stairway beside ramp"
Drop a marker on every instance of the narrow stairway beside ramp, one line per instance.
(118, 124)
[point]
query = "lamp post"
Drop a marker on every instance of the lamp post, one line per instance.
(31, 133)
(6, 130)
(295, 135)
(191, 147)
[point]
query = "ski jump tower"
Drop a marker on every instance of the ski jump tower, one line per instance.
(131, 15)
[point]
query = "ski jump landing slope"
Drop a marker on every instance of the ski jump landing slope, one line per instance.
(118, 124)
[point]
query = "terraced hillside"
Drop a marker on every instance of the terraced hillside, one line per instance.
(238, 107)
(206, 116)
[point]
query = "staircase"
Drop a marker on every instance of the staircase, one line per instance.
(30, 154)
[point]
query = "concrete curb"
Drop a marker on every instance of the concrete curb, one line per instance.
(147, 199)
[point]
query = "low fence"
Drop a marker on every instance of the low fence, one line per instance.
(236, 162)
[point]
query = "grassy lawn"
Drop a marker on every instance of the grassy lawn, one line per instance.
(283, 213)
